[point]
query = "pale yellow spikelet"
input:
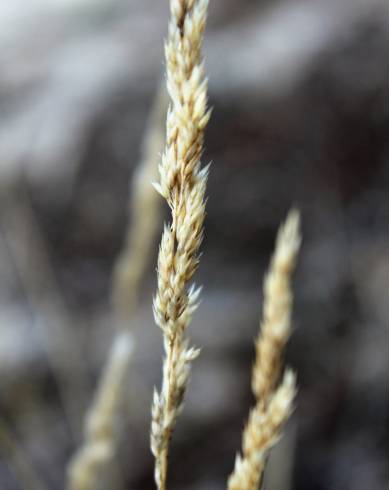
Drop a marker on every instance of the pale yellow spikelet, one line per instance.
(262, 431)
(275, 327)
(182, 184)
(91, 462)
(273, 405)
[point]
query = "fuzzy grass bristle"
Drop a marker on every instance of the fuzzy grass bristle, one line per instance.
(273, 400)
(182, 184)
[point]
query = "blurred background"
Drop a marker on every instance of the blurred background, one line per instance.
(300, 96)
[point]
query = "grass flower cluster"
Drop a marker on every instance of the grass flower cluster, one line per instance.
(182, 183)
(273, 403)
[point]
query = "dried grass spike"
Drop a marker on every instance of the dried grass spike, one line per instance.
(93, 460)
(182, 184)
(275, 326)
(144, 209)
(262, 431)
(273, 405)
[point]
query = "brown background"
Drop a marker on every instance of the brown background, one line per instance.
(300, 96)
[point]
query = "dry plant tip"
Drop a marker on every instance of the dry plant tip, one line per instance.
(274, 400)
(182, 183)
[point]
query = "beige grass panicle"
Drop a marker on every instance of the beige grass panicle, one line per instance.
(273, 404)
(182, 184)
(275, 328)
(261, 433)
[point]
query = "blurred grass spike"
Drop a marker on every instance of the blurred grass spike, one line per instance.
(144, 208)
(274, 402)
(95, 460)
(275, 328)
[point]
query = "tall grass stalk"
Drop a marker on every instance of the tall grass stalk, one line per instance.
(274, 400)
(182, 183)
